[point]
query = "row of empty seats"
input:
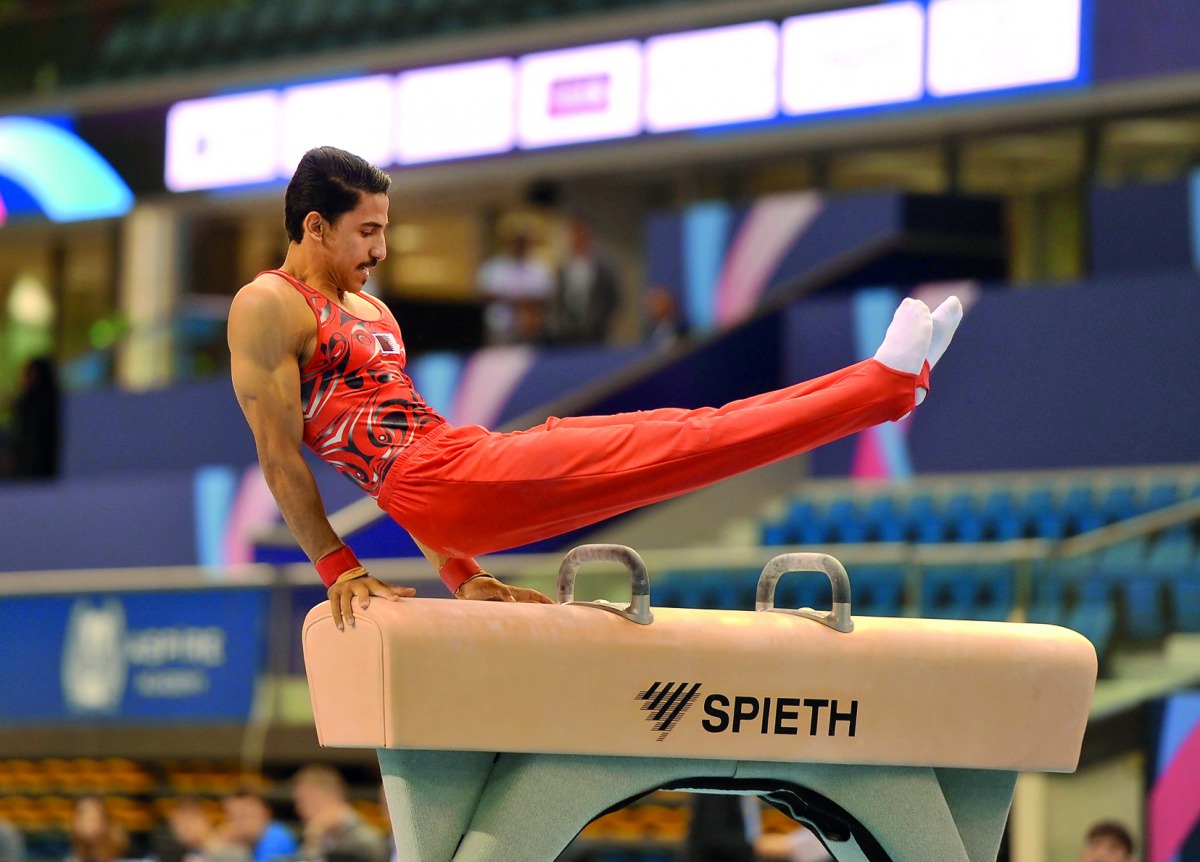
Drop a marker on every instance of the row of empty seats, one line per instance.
(1133, 593)
(1000, 513)
(208, 36)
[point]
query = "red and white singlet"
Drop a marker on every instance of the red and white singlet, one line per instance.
(360, 408)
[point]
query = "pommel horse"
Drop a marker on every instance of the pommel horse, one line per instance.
(503, 729)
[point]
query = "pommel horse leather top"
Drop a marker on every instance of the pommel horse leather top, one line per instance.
(762, 685)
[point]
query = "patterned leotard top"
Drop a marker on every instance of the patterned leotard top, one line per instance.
(360, 408)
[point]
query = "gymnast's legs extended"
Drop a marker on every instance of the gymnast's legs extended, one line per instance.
(473, 492)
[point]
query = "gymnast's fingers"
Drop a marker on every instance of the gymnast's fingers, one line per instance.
(523, 594)
(362, 592)
(387, 591)
(339, 605)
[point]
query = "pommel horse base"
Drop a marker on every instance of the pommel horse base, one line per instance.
(503, 729)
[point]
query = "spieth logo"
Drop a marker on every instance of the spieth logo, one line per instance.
(667, 702)
(94, 666)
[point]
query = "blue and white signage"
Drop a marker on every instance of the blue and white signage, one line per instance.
(455, 111)
(904, 53)
(853, 58)
(155, 656)
(981, 46)
(580, 94)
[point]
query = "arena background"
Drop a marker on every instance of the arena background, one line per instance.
(1037, 158)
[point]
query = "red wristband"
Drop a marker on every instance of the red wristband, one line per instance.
(457, 571)
(333, 565)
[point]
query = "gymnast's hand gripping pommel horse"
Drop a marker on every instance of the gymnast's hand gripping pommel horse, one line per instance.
(503, 729)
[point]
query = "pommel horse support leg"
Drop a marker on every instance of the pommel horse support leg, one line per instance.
(503, 729)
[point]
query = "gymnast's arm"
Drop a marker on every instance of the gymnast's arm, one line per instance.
(266, 338)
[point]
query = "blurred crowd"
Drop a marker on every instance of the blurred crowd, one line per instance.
(248, 828)
(317, 820)
(552, 284)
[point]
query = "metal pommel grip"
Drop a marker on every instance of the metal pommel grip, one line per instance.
(838, 618)
(638, 610)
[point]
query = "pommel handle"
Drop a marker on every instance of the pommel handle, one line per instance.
(838, 618)
(638, 610)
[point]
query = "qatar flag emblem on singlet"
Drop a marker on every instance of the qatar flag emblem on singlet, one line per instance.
(388, 343)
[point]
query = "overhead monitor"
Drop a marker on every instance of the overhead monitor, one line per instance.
(853, 58)
(712, 77)
(354, 114)
(449, 112)
(580, 94)
(223, 141)
(981, 46)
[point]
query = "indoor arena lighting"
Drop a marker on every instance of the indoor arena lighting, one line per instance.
(904, 53)
(67, 179)
(853, 58)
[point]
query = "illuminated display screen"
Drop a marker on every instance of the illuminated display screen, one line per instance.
(917, 53)
(223, 141)
(455, 111)
(978, 46)
(712, 77)
(581, 94)
(853, 58)
(355, 115)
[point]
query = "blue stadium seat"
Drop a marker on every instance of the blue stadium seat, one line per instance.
(773, 533)
(1049, 601)
(1080, 510)
(877, 591)
(996, 596)
(883, 520)
(1145, 617)
(1173, 553)
(1161, 495)
(963, 521)
(1184, 596)
(118, 50)
(1120, 503)
(1096, 620)
(1123, 559)
(845, 522)
(1045, 518)
(802, 513)
(947, 593)
(1002, 518)
(968, 592)
(924, 521)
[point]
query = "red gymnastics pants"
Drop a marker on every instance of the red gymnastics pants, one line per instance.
(465, 491)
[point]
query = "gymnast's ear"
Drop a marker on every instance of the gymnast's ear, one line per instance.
(314, 226)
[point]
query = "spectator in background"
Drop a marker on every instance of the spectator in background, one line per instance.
(34, 442)
(198, 837)
(517, 288)
(249, 824)
(94, 837)
(12, 844)
(1107, 841)
(333, 830)
(586, 293)
(664, 327)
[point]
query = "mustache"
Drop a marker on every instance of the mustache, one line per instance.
(373, 262)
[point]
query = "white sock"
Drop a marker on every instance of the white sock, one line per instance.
(908, 336)
(946, 318)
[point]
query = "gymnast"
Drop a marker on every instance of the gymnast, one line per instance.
(316, 361)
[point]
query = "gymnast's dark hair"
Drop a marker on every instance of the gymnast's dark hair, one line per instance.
(328, 181)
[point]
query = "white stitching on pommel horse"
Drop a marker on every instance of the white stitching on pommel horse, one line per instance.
(503, 729)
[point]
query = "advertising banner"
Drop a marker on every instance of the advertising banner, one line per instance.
(184, 655)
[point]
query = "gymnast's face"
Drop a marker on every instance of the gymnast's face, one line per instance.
(351, 246)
